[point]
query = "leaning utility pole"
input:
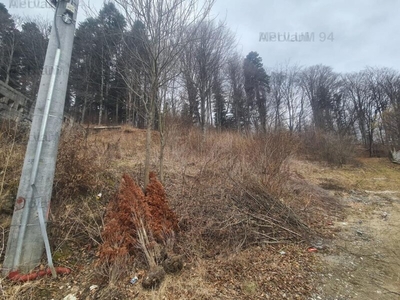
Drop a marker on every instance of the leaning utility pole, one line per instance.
(28, 235)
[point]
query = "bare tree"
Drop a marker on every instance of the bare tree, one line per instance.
(189, 77)
(365, 90)
(356, 91)
(203, 58)
(390, 82)
(165, 23)
(236, 83)
(320, 84)
(277, 79)
(293, 97)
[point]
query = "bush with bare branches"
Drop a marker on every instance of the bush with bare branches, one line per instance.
(78, 166)
(334, 149)
(12, 147)
(233, 192)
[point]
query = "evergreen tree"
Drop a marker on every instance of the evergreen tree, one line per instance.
(9, 40)
(32, 47)
(219, 104)
(131, 75)
(111, 28)
(256, 84)
(84, 74)
(235, 78)
(97, 47)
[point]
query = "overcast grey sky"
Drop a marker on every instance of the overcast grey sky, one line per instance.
(365, 32)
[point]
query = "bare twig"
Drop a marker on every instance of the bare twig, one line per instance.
(144, 243)
(273, 222)
(2, 240)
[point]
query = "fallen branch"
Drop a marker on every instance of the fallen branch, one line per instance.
(272, 221)
(105, 128)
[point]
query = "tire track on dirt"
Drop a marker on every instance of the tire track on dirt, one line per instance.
(363, 262)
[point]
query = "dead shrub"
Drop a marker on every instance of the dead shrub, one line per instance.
(77, 169)
(76, 218)
(332, 148)
(137, 221)
(13, 137)
(216, 216)
(161, 219)
(272, 220)
(11, 131)
(271, 157)
(77, 224)
(120, 232)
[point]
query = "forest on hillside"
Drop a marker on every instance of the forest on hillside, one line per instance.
(128, 69)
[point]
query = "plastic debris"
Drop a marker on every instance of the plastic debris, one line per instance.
(93, 287)
(70, 297)
(134, 280)
(312, 249)
(319, 245)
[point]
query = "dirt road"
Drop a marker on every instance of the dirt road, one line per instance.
(363, 260)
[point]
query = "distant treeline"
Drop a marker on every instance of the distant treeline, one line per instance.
(128, 69)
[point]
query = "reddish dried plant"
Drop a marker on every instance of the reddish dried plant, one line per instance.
(131, 210)
(163, 220)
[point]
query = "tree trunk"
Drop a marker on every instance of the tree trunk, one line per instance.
(150, 119)
(161, 126)
(162, 146)
(202, 110)
(148, 146)
(84, 104)
(101, 95)
(116, 112)
(10, 63)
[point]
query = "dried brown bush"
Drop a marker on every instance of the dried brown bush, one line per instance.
(391, 123)
(136, 221)
(332, 148)
(216, 215)
(12, 131)
(78, 166)
(120, 232)
(76, 218)
(13, 137)
(271, 219)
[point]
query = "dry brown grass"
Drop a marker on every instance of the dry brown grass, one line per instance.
(78, 167)
(334, 149)
(230, 192)
(12, 150)
(212, 180)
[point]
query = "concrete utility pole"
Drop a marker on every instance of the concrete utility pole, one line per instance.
(28, 234)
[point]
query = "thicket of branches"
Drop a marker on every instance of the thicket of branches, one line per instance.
(138, 63)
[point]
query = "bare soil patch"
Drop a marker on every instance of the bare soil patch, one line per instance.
(362, 261)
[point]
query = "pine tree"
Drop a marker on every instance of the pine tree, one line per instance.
(256, 84)
(219, 104)
(9, 40)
